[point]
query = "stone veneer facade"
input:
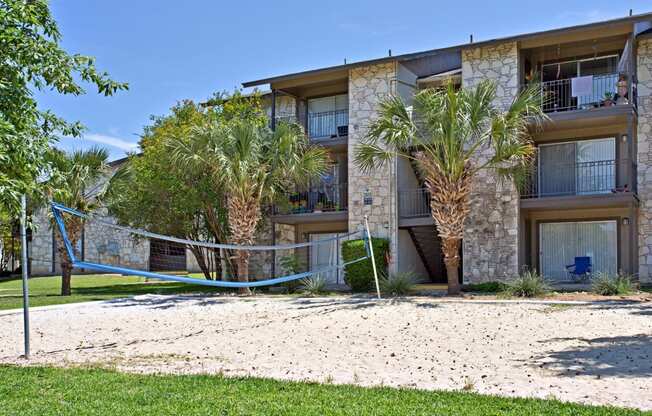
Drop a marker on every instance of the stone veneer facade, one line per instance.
(368, 85)
(644, 162)
(101, 245)
(491, 235)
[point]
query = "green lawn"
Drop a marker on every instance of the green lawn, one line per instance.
(45, 290)
(49, 391)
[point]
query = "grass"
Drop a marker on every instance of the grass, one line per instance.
(45, 290)
(46, 391)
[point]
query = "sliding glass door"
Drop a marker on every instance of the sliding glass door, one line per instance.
(561, 242)
(327, 255)
(577, 168)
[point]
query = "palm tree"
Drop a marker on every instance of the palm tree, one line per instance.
(452, 135)
(76, 181)
(251, 165)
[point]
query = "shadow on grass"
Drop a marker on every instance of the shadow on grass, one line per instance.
(619, 356)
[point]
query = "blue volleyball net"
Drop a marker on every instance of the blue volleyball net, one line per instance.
(96, 242)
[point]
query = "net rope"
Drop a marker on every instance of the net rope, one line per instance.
(166, 251)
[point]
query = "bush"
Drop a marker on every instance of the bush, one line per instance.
(291, 264)
(486, 287)
(397, 284)
(360, 276)
(610, 285)
(527, 285)
(314, 285)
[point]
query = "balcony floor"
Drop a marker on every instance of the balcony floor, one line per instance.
(610, 200)
(312, 217)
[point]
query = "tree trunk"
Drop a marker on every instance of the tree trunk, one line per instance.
(451, 249)
(244, 214)
(243, 271)
(66, 274)
(74, 228)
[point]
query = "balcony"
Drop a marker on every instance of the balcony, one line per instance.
(322, 202)
(559, 96)
(328, 124)
(591, 181)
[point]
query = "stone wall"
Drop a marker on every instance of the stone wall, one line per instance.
(101, 244)
(644, 151)
(40, 245)
(106, 245)
(491, 233)
(367, 87)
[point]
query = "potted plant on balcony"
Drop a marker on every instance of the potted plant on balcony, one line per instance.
(608, 99)
(319, 207)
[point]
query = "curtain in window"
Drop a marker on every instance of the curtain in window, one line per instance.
(561, 242)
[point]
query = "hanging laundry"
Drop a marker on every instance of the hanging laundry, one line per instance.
(582, 86)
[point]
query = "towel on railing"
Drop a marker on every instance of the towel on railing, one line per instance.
(582, 86)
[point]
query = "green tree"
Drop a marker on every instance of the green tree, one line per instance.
(453, 135)
(251, 165)
(77, 180)
(31, 59)
(152, 192)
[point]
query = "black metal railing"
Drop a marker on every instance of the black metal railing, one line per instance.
(323, 198)
(582, 178)
(558, 95)
(328, 124)
(414, 203)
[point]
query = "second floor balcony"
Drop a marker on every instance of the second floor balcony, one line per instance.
(328, 124)
(325, 198)
(580, 178)
(588, 92)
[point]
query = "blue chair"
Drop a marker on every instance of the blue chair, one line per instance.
(581, 269)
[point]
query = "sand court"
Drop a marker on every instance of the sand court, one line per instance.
(598, 353)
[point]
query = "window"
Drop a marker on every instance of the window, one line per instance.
(561, 242)
(577, 168)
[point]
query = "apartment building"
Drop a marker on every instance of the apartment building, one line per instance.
(589, 192)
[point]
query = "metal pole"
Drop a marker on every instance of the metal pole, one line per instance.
(24, 266)
(373, 259)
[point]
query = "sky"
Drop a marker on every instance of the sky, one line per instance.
(171, 50)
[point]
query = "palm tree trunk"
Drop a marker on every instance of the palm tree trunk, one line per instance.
(243, 271)
(74, 228)
(66, 274)
(244, 214)
(451, 249)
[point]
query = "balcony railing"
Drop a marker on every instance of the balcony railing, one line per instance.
(414, 203)
(328, 124)
(324, 198)
(582, 178)
(558, 95)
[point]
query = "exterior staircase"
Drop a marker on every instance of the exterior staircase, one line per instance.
(428, 246)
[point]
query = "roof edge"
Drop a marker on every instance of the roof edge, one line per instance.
(413, 55)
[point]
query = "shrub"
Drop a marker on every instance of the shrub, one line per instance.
(291, 264)
(528, 285)
(486, 287)
(397, 284)
(610, 285)
(314, 285)
(360, 276)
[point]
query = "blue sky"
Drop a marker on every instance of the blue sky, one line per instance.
(169, 50)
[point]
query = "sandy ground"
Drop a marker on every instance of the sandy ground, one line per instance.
(597, 353)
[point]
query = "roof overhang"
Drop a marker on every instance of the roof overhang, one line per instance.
(527, 40)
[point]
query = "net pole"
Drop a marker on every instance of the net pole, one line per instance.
(24, 267)
(371, 251)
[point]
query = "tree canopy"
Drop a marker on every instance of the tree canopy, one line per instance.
(32, 59)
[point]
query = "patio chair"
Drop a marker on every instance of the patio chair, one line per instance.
(581, 269)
